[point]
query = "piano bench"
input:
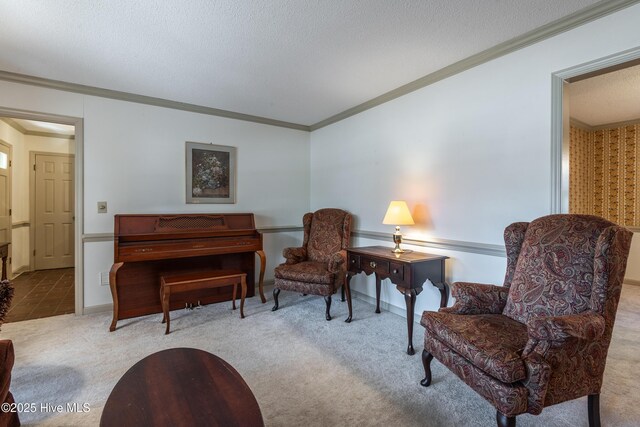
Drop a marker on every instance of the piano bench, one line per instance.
(172, 284)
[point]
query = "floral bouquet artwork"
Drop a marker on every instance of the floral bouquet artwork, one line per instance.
(210, 173)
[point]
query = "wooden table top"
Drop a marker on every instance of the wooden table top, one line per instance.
(181, 387)
(387, 252)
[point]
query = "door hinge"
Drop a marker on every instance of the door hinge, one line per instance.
(34, 166)
(9, 212)
(9, 260)
(10, 163)
(34, 252)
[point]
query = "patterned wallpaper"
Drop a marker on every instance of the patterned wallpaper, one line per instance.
(604, 173)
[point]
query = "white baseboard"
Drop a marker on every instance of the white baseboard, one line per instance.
(94, 309)
(402, 312)
(18, 271)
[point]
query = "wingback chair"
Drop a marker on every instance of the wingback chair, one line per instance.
(543, 337)
(7, 357)
(319, 266)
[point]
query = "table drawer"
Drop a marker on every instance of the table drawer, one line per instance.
(396, 271)
(374, 265)
(353, 263)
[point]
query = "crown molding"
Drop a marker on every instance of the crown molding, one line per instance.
(581, 125)
(585, 126)
(24, 131)
(616, 124)
(14, 125)
(142, 99)
(551, 29)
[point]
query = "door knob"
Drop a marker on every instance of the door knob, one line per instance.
(372, 264)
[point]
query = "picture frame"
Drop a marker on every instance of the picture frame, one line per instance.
(210, 173)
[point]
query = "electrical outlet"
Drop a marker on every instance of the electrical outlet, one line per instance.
(102, 207)
(104, 278)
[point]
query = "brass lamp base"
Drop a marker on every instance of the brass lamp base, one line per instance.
(397, 239)
(398, 249)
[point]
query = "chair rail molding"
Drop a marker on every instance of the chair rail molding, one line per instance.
(108, 237)
(446, 244)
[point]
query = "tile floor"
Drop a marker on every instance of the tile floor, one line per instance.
(42, 293)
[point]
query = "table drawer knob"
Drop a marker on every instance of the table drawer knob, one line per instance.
(395, 271)
(372, 264)
(353, 261)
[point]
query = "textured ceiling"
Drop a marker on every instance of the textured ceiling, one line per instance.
(291, 60)
(608, 98)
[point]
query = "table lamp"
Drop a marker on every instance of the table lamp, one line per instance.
(398, 214)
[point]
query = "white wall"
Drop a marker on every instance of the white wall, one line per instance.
(134, 158)
(471, 153)
(633, 263)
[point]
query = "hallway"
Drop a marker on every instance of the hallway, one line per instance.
(42, 293)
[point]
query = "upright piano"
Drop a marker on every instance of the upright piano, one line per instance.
(148, 246)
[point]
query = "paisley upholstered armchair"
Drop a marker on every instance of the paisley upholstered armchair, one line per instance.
(319, 266)
(7, 357)
(543, 337)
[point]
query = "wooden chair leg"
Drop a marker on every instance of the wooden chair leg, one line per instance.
(594, 410)
(504, 421)
(327, 299)
(426, 363)
(342, 291)
(276, 292)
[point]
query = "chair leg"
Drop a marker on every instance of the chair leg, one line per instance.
(594, 410)
(327, 299)
(343, 298)
(276, 292)
(504, 421)
(426, 363)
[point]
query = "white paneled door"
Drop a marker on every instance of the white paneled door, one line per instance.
(5, 194)
(54, 216)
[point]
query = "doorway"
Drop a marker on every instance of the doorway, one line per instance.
(43, 226)
(611, 162)
(561, 117)
(604, 142)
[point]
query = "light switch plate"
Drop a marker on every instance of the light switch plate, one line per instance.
(102, 207)
(104, 278)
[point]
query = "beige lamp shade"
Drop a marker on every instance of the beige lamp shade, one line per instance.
(398, 214)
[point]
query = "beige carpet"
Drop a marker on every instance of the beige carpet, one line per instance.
(302, 369)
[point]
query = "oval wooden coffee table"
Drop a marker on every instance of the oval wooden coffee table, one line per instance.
(181, 387)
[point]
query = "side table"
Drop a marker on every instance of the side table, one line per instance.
(408, 271)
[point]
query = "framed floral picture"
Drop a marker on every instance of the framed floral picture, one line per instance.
(211, 173)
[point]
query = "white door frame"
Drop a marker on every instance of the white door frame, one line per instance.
(79, 188)
(10, 195)
(560, 121)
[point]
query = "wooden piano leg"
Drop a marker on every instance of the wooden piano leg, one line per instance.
(114, 293)
(263, 263)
